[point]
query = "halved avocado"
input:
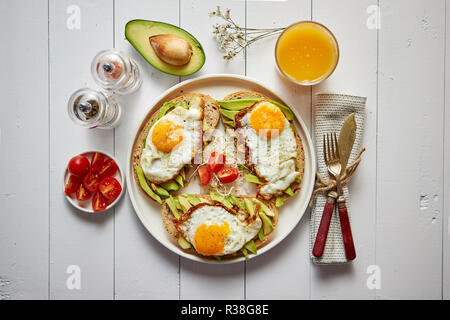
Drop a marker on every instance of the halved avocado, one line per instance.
(138, 32)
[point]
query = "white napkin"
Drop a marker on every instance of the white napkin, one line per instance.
(330, 111)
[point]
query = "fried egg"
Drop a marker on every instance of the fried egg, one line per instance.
(171, 142)
(213, 230)
(272, 147)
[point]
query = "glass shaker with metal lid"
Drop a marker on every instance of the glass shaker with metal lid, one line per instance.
(116, 72)
(93, 109)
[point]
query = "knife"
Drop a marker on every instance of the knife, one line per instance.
(346, 139)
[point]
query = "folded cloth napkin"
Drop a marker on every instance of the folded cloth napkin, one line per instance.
(330, 111)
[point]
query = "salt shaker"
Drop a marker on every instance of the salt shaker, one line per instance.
(93, 109)
(116, 72)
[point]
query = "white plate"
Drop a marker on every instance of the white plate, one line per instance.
(217, 86)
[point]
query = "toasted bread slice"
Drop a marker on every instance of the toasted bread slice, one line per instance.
(211, 116)
(169, 223)
(300, 159)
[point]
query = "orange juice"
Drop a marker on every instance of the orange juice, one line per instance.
(307, 52)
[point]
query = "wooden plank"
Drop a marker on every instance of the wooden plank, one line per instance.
(144, 269)
(355, 75)
(446, 200)
(410, 158)
(201, 281)
(24, 149)
(284, 271)
(77, 239)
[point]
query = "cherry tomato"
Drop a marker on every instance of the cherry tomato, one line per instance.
(79, 166)
(204, 174)
(72, 185)
(108, 169)
(110, 188)
(97, 162)
(228, 174)
(99, 202)
(91, 181)
(82, 193)
(216, 161)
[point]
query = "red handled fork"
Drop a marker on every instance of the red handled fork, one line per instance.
(331, 157)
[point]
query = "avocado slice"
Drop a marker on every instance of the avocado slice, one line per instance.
(286, 110)
(228, 113)
(261, 234)
(289, 192)
(279, 201)
(219, 198)
(182, 104)
(145, 186)
(160, 191)
(298, 179)
(166, 107)
(138, 32)
(184, 202)
(230, 123)
(237, 104)
(179, 179)
(236, 201)
(183, 174)
(252, 178)
(192, 199)
(251, 246)
(173, 207)
(170, 185)
(184, 244)
(264, 208)
(244, 251)
(250, 206)
(267, 223)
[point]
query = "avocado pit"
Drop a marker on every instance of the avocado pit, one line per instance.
(171, 49)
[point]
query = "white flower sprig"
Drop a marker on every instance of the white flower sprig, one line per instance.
(232, 38)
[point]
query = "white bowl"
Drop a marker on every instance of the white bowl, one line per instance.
(86, 206)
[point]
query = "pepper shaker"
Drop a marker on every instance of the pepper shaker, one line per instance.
(93, 109)
(116, 72)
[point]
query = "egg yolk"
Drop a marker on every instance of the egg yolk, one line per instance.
(210, 239)
(166, 135)
(267, 119)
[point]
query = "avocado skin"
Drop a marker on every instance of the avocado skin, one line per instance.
(147, 51)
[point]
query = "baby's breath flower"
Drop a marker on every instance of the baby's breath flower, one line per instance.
(232, 38)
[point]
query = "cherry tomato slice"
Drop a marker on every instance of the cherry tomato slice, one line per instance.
(79, 166)
(72, 185)
(108, 169)
(99, 202)
(110, 188)
(204, 174)
(228, 174)
(91, 181)
(216, 161)
(82, 193)
(97, 162)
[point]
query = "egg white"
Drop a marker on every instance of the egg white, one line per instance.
(160, 166)
(274, 158)
(241, 232)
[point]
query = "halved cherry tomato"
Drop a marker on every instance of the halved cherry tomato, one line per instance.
(79, 166)
(204, 174)
(228, 174)
(91, 181)
(72, 185)
(216, 161)
(99, 202)
(97, 162)
(110, 188)
(82, 193)
(108, 169)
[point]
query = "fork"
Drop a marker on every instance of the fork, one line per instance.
(331, 157)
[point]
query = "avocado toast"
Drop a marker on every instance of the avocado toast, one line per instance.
(237, 106)
(177, 209)
(158, 188)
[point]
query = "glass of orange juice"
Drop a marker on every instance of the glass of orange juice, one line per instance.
(306, 53)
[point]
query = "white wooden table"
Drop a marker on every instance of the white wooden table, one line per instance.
(400, 194)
